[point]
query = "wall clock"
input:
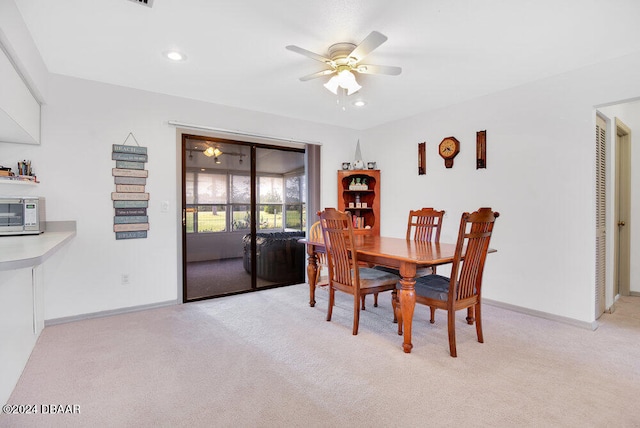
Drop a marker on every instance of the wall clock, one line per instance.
(448, 149)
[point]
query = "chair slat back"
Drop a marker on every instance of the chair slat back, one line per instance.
(471, 252)
(424, 225)
(338, 237)
(315, 235)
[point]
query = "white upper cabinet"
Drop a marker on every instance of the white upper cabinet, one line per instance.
(19, 110)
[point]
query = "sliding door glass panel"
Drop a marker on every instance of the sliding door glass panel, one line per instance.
(217, 219)
(280, 204)
(241, 202)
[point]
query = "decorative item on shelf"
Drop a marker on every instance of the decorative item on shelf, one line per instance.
(5, 171)
(357, 184)
(25, 173)
(24, 168)
(449, 149)
(422, 158)
(130, 201)
(371, 165)
(481, 149)
(357, 163)
(346, 165)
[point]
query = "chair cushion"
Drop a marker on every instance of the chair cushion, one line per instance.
(434, 287)
(370, 277)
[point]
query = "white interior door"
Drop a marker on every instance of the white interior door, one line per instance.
(622, 210)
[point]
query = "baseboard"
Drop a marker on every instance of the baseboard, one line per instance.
(64, 320)
(634, 293)
(565, 320)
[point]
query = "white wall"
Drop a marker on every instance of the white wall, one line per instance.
(540, 176)
(17, 41)
(629, 114)
(81, 121)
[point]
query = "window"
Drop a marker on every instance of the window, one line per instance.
(240, 202)
(221, 202)
(206, 195)
(295, 202)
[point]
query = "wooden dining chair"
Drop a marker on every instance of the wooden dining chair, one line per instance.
(423, 225)
(345, 274)
(315, 235)
(462, 290)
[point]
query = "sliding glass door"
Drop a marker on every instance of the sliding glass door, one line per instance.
(244, 210)
(280, 216)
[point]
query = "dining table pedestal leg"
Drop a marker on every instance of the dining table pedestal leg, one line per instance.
(312, 274)
(407, 297)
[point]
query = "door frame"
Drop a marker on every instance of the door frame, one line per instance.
(622, 210)
(182, 138)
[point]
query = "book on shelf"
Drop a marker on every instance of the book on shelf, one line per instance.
(358, 222)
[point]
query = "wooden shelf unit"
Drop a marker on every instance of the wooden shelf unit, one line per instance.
(371, 214)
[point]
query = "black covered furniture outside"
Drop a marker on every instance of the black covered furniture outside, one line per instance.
(279, 256)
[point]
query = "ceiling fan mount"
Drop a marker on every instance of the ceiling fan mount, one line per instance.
(344, 59)
(341, 51)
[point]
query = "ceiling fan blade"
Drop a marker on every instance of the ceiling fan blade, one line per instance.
(378, 69)
(309, 54)
(316, 75)
(372, 41)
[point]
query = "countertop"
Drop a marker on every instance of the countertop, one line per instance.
(17, 252)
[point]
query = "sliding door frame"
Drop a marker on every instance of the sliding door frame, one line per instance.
(254, 146)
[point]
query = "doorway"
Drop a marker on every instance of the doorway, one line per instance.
(622, 245)
(244, 210)
(621, 196)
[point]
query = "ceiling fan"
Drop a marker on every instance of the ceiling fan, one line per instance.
(345, 58)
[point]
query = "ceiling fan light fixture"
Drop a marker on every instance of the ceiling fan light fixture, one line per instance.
(211, 151)
(344, 79)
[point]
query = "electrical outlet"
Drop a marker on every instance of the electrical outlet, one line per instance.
(124, 279)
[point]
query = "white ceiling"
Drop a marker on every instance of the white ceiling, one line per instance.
(450, 51)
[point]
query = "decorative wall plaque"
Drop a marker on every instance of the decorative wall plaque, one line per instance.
(481, 149)
(130, 201)
(422, 159)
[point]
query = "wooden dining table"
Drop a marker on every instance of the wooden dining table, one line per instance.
(398, 253)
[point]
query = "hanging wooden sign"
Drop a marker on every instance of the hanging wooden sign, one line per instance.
(481, 149)
(130, 204)
(130, 201)
(422, 159)
(130, 180)
(130, 227)
(123, 172)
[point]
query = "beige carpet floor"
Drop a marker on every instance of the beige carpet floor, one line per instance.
(267, 359)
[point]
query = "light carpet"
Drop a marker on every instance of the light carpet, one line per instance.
(267, 359)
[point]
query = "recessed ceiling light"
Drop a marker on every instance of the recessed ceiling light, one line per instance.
(174, 55)
(359, 103)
